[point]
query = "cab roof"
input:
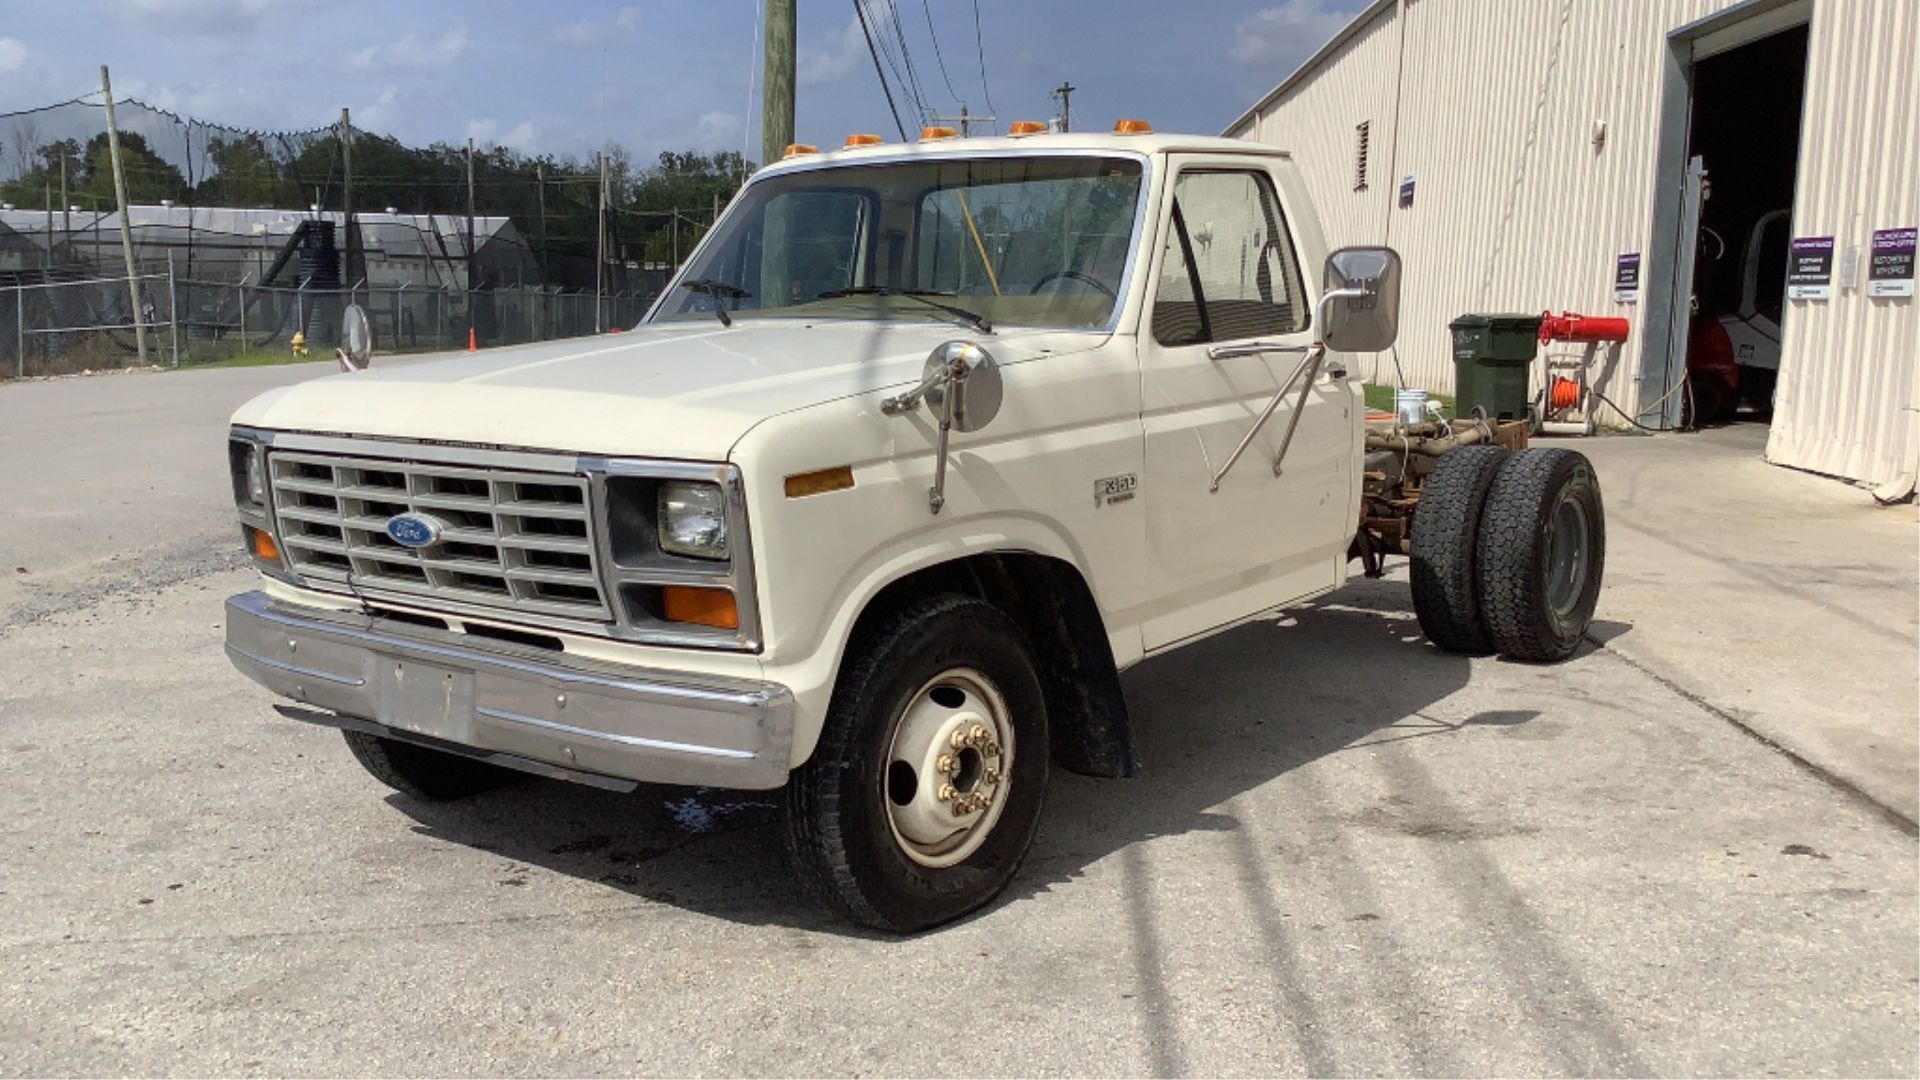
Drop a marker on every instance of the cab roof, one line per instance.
(1013, 145)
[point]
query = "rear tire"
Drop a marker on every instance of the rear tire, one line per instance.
(1541, 553)
(1446, 526)
(865, 831)
(433, 775)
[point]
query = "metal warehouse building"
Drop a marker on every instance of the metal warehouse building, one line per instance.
(1644, 159)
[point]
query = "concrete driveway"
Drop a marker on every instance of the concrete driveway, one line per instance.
(1348, 853)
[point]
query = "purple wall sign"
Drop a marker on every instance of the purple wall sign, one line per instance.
(1810, 268)
(1890, 267)
(1626, 278)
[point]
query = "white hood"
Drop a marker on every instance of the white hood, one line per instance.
(678, 390)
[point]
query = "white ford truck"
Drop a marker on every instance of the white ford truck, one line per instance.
(924, 446)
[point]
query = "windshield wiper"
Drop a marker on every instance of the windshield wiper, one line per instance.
(924, 296)
(721, 293)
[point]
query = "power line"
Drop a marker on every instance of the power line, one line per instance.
(980, 49)
(871, 51)
(887, 52)
(906, 57)
(941, 60)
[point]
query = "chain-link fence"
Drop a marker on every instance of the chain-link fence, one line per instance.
(64, 327)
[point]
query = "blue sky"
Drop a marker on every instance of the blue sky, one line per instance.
(560, 77)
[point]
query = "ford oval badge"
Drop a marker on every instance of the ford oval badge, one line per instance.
(413, 530)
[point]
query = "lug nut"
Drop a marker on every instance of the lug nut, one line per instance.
(947, 793)
(945, 763)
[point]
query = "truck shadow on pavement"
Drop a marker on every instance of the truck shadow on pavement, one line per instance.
(1212, 721)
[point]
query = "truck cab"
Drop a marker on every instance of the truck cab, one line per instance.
(924, 444)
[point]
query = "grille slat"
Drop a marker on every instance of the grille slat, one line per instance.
(510, 540)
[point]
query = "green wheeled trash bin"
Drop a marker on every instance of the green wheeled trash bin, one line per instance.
(1492, 356)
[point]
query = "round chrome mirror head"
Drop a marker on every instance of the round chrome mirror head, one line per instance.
(356, 339)
(973, 376)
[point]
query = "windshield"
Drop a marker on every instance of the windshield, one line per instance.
(1017, 241)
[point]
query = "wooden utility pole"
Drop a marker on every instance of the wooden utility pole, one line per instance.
(126, 222)
(66, 215)
(965, 120)
(1064, 94)
(776, 104)
(473, 262)
(540, 187)
(600, 249)
(346, 193)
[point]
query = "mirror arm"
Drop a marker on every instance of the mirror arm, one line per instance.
(1308, 364)
(937, 494)
(1337, 294)
(909, 401)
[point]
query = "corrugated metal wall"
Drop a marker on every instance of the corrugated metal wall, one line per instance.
(1848, 403)
(1492, 106)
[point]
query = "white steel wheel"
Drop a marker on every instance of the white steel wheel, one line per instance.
(949, 768)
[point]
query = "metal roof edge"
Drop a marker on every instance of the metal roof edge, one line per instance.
(1346, 33)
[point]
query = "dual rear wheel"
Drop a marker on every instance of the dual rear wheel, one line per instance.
(1508, 550)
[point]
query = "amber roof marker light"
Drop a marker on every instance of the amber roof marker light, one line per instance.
(1027, 127)
(928, 134)
(1125, 126)
(864, 138)
(799, 148)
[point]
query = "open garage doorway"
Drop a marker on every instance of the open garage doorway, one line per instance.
(1729, 158)
(1746, 136)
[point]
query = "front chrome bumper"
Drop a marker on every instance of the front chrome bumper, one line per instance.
(519, 706)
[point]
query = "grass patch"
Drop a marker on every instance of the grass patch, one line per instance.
(1380, 398)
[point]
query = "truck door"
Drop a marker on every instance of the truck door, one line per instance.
(1227, 271)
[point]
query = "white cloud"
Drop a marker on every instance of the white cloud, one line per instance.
(586, 33)
(839, 52)
(379, 116)
(411, 51)
(522, 136)
(716, 131)
(13, 54)
(1285, 34)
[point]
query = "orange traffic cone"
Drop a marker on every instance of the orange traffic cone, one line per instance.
(473, 344)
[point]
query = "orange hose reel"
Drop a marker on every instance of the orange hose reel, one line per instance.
(1565, 393)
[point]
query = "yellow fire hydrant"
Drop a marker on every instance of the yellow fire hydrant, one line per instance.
(299, 343)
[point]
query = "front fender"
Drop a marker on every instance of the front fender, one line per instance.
(805, 654)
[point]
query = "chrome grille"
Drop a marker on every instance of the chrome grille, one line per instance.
(521, 541)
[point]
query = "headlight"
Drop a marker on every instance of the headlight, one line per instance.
(693, 519)
(247, 462)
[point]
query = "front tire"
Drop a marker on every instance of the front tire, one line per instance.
(1542, 548)
(433, 775)
(924, 792)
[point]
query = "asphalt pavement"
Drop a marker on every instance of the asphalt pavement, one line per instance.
(1347, 852)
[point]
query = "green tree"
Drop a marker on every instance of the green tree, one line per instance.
(150, 177)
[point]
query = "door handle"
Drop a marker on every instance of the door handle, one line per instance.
(1250, 348)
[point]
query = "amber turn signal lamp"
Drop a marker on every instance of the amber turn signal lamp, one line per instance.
(260, 542)
(798, 148)
(819, 482)
(927, 133)
(1027, 127)
(1132, 127)
(702, 607)
(864, 138)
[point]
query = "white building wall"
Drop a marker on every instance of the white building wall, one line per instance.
(1492, 106)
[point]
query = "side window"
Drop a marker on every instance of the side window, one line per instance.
(1229, 271)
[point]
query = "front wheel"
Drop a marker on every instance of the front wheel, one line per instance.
(924, 792)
